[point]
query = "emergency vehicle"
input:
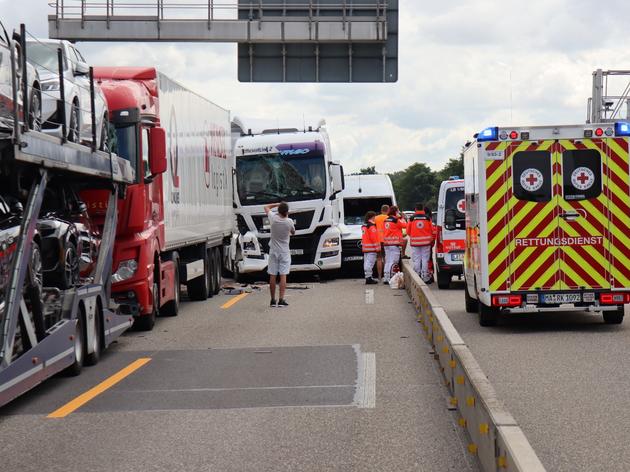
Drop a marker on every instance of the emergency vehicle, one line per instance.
(451, 234)
(548, 220)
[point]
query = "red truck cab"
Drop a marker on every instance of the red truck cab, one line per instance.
(142, 282)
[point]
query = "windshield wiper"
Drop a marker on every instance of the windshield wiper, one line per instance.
(264, 193)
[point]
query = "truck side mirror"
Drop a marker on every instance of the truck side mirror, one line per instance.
(336, 172)
(81, 68)
(450, 220)
(157, 151)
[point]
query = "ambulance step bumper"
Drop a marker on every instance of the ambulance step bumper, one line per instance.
(557, 309)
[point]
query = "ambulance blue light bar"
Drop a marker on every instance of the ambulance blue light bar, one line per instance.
(622, 128)
(489, 134)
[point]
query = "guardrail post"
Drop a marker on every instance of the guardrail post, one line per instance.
(93, 109)
(82, 14)
(25, 97)
(61, 107)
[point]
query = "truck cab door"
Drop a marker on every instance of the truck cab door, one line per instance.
(533, 214)
(584, 250)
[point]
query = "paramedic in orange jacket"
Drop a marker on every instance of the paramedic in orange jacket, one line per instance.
(421, 237)
(392, 240)
(371, 244)
(379, 220)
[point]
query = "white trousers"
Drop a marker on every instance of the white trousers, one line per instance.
(369, 259)
(420, 256)
(392, 256)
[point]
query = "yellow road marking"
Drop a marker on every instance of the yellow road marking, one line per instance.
(85, 397)
(234, 300)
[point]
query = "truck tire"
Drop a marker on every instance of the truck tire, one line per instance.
(444, 280)
(172, 308)
(472, 304)
(614, 317)
(97, 347)
(147, 322)
(79, 348)
(199, 287)
(218, 269)
(487, 315)
(212, 268)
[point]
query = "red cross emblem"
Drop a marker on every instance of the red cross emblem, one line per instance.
(583, 178)
(531, 179)
(461, 206)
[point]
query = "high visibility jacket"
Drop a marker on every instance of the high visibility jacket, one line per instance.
(420, 230)
(369, 238)
(393, 231)
(379, 221)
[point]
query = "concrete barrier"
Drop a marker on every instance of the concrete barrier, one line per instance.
(494, 435)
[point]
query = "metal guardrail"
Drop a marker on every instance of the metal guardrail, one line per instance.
(495, 437)
(245, 21)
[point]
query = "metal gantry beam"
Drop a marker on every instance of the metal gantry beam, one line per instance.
(249, 21)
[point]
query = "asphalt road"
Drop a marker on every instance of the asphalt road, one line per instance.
(565, 378)
(329, 383)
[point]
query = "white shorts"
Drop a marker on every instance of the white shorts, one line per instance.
(279, 264)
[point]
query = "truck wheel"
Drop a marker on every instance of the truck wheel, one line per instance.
(217, 269)
(147, 322)
(97, 344)
(172, 308)
(614, 317)
(199, 287)
(487, 315)
(79, 348)
(472, 305)
(444, 280)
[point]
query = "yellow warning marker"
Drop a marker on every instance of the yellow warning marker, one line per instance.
(459, 379)
(462, 422)
(454, 401)
(440, 338)
(445, 349)
(470, 401)
(472, 448)
(452, 364)
(484, 428)
(92, 393)
(234, 300)
(502, 462)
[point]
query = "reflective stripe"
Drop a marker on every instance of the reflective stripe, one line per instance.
(421, 240)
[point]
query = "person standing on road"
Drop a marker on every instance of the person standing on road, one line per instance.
(420, 232)
(371, 246)
(282, 228)
(392, 240)
(379, 221)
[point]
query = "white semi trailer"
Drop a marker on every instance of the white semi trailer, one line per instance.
(274, 164)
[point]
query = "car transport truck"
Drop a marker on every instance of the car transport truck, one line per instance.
(56, 312)
(361, 194)
(547, 226)
(274, 164)
(177, 215)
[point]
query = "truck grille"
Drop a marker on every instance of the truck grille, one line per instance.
(307, 243)
(302, 219)
(351, 247)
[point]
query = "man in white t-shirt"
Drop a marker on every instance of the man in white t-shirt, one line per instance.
(282, 228)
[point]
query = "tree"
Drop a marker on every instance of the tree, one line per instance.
(371, 170)
(454, 167)
(415, 184)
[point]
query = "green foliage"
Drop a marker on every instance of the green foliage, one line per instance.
(371, 170)
(419, 184)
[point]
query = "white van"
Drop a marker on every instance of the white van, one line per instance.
(362, 193)
(451, 231)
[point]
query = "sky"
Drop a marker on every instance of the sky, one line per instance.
(463, 65)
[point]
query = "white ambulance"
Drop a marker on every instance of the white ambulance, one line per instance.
(548, 220)
(451, 231)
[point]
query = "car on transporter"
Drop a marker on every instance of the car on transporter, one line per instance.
(42, 53)
(33, 92)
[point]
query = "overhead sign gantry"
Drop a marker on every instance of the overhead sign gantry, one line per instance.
(279, 40)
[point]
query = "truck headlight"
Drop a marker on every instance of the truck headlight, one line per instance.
(50, 85)
(331, 242)
(126, 270)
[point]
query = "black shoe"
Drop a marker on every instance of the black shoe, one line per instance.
(282, 303)
(406, 257)
(385, 282)
(273, 304)
(370, 281)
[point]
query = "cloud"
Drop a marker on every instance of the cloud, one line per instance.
(463, 66)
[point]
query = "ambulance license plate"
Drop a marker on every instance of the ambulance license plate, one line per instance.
(297, 252)
(560, 298)
(352, 258)
(457, 256)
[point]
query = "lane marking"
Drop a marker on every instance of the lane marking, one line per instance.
(237, 389)
(92, 393)
(234, 300)
(365, 395)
